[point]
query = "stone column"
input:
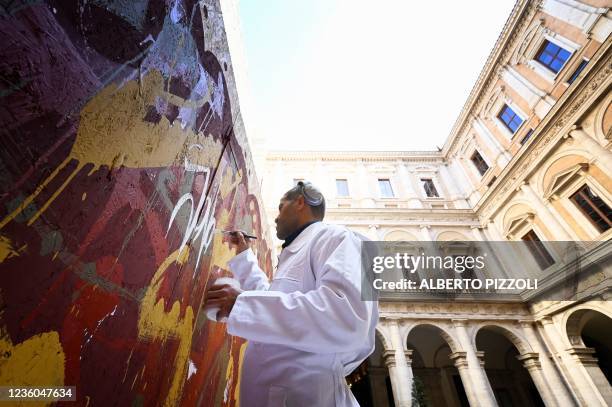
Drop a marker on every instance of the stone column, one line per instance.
(532, 364)
(403, 372)
(555, 382)
(583, 387)
(457, 196)
(389, 358)
(603, 156)
(460, 361)
(412, 199)
(586, 358)
(400, 177)
(548, 218)
(417, 188)
(365, 193)
(568, 229)
(461, 163)
(481, 391)
(474, 195)
(409, 373)
(461, 175)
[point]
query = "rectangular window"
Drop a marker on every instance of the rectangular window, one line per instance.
(593, 207)
(430, 188)
(552, 56)
(527, 137)
(342, 187)
(538, 250)
(479, 162)
(296, 180)
(510, 119)
(572, 78)
(385, 188)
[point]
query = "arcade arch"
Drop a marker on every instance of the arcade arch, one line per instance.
(436, 378)
(590, 345)
(513, 369)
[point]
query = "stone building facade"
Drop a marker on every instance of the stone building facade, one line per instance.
(529, 158)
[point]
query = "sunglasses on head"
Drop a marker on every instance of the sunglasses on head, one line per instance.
(311, 195)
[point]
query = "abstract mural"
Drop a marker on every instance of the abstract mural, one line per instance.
(122, 156)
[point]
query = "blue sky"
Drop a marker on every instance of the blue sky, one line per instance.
(358, 75)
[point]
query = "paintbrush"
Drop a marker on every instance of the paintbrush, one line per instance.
(231, 232)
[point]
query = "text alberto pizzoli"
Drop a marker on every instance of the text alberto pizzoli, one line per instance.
(411, 263)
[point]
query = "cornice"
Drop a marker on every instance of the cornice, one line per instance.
(462, 212)
(520, 16)
(366, 156)
(403, 217)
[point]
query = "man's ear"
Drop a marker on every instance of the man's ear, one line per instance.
(300, 203)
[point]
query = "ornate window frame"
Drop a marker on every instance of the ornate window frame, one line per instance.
(563, 179)
(517, 110)
(531, 43)
(519, 225)
(558, 40)
(571, 181)
(475, 149)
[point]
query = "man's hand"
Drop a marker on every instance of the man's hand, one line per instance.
(222, 296)
(236, 239)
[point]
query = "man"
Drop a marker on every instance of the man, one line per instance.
(308, 328)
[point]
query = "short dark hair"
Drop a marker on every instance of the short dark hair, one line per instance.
(312, 196)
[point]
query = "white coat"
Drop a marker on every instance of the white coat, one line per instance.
(308, 328)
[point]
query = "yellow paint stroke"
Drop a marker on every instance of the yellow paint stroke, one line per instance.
(112, 133)
(55, 194)
(6, 249)
(230, 366)
(30, 198)
(240, 360)
(155, 323)
(36, 362)
(221, 252)
(228, 376)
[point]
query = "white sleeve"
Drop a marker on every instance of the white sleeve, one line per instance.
(245, 268)
(330, 319)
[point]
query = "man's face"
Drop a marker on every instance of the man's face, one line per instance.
(287, 219)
